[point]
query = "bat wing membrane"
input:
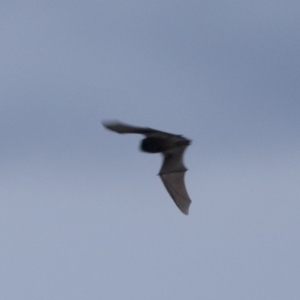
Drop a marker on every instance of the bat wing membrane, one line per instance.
(174, 183)
(172, 176)
(125, 128)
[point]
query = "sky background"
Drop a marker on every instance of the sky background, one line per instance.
(83, 214)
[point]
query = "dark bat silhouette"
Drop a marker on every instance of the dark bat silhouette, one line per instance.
(172, 147)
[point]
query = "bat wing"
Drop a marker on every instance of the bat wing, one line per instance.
(172, 176)
(126, 128)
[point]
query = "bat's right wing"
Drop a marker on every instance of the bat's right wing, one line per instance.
(172, 176)
(174, 183)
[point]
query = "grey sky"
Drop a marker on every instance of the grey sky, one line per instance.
(83, 214)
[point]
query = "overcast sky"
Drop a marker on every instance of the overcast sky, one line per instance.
(83, 214)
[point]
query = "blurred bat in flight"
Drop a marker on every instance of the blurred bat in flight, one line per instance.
(172, 147)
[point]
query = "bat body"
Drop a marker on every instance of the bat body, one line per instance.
(172, 148)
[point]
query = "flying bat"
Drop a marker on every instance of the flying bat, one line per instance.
(172, 147)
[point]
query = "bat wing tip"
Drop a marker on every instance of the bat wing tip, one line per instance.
(185, 209)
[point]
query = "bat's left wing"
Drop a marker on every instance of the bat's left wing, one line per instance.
(126, 128)
(172, 175)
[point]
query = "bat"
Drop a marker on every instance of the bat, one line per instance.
(172, 147)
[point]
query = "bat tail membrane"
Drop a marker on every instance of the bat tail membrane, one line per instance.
(174, 183)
